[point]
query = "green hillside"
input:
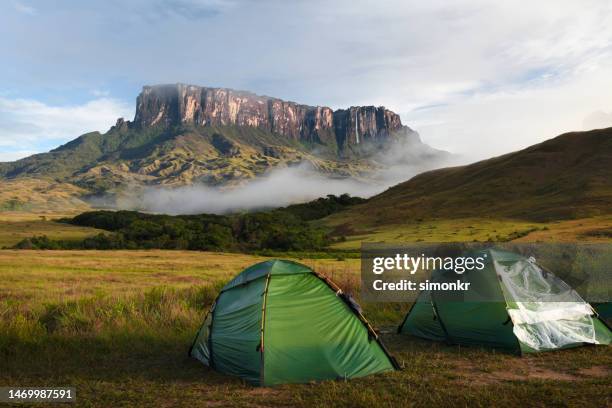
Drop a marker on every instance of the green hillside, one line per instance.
(567, 177)
(177, 155)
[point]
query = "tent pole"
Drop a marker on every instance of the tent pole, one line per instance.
(263, 323)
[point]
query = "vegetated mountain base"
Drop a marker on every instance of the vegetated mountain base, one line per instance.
(180, 155)
(117, 325)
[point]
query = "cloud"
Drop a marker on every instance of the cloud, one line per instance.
(286, 185)
(491, 123)
(100, 93)
(193, 9)
(26, 125)
(25, 9)
(597, 120)
(435, 62)
(281, 187)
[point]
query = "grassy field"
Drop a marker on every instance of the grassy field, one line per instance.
(17, 225)
(117, 325)
(594, 229)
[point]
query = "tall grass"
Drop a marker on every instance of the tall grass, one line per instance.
(158, 308)
(70, 332)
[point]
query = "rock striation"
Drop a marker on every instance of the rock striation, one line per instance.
(176, 104)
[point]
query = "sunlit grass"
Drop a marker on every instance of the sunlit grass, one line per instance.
(478, 229)
(16, 225)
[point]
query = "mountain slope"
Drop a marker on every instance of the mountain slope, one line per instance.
(182, 134)
(569, 176)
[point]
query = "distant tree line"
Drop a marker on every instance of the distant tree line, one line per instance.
(322, 207)
(283, 229)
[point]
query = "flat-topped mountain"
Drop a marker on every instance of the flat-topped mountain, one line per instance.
(185, 134)
(180, 104)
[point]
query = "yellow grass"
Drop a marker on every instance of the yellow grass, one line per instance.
(14, 229)
(480, 229)
(38, 194)
(64, 275)
(584, 229)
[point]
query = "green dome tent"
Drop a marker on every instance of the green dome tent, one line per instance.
(512, 304)
(281, 322)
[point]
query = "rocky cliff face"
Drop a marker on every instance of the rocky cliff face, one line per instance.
(200, 106)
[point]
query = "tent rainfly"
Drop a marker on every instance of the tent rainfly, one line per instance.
(281, 322)
(525, 309)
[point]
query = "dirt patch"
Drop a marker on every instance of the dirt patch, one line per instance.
(187, 279)
(598, 233)
(261, 396)
(521, 370)
(262, 391)
(161, 275)
(110, 279)
(596, 371)
(552, 375)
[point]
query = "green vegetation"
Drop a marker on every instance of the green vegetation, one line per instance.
(13, 204)
(117, 325)
(284, 229)
(133, 230)
(322, 207)
(564, 178)
(175, 155)
(349, 234)
(344, 241)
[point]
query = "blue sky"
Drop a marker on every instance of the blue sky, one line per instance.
(478, 78)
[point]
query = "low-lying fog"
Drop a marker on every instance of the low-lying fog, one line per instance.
(289, 185)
